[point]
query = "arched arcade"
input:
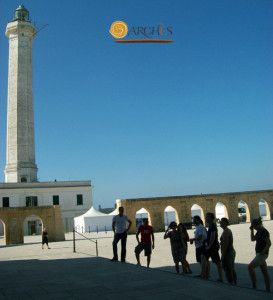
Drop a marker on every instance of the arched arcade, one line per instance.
(208, 202)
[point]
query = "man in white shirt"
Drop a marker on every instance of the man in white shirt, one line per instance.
(119, 225)
(200, 236)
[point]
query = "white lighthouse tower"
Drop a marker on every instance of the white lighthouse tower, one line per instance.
(20, 165)
(21, 187)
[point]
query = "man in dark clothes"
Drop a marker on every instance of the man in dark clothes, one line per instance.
(120, 233)
(263, 244)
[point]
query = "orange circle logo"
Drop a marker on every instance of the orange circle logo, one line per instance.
(119, 29)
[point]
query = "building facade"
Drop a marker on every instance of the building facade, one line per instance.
(74, 197)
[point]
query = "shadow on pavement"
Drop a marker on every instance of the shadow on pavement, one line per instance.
(80, 278)
(243, 278)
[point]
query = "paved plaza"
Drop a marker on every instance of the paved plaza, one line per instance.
(28, 272)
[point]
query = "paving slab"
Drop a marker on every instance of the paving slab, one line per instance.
(28, 272)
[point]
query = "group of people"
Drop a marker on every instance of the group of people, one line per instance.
(206, 244)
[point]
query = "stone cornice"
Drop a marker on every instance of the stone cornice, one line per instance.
(20, 27)
(199, 195)
(50, 184)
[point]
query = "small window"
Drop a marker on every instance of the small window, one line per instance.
(56, 200)
(79, 200)
(5, 201)
(32, 201)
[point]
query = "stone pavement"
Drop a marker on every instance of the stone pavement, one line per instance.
(28, 272)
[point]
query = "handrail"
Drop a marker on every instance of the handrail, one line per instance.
(91, 240)
(86, 237)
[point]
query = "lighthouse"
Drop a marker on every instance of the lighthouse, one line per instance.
(26, 201)
(20, 163)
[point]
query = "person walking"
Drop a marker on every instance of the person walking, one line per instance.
(147, 242)
(227, 252)
(185, 236)
(263, 244)
(200, 236)
(45, 238)
(212, 249)
(119, 225)
(177, 246)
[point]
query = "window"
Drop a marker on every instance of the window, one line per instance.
(5, 201)
(56, 200)
(79, 200)
(32, 201)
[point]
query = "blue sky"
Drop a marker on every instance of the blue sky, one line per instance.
(145, 120)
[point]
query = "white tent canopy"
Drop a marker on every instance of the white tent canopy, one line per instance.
(113, 213)
(93, 220)
(92, 212)
(196, 211)
(169, 215)
(142, 213)
(169, 209)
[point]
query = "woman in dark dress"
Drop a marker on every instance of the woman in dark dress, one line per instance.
(228, 252)
(177, 246)
(185, 236)
(44, 238)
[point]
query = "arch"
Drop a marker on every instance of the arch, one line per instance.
(170, 215)
(23, 179)
(14, 217)
(243, 212)
(220, 210)
(264, 209)
(197, 210)
(32, 225)
(141, 214)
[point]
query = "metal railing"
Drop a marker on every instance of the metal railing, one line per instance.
(97, 229)
(91, 240)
